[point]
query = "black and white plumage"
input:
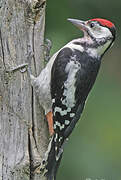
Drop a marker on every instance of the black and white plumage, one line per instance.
(68, 79)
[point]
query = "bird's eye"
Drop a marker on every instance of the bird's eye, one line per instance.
(92, 24)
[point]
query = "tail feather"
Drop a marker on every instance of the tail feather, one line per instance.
(55, 149)
(52, 163)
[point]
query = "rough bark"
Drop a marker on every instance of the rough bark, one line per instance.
(23, 131)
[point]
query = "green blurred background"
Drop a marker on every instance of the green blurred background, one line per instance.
(93, 151)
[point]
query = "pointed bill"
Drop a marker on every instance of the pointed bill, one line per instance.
(78, 23)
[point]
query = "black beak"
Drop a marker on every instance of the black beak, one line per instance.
(78, 23)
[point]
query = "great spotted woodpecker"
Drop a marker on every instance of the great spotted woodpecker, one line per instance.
(65, 82)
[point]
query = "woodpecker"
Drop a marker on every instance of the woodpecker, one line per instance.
(65, 82)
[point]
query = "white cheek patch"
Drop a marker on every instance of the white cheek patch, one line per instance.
(102, 32)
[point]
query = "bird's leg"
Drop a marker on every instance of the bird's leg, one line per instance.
(49, 117)
(47, 49)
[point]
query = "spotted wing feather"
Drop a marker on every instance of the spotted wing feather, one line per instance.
(73, 75)
(63, 79)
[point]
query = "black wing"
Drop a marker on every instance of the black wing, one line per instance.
(73, 75)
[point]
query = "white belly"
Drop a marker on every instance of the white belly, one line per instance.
(41, 85)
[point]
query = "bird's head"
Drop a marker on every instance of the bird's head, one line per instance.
(100, 31)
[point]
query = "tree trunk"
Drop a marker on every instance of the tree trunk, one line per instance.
(23, 130)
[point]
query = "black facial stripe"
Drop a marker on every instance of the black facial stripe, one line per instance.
(96, 43)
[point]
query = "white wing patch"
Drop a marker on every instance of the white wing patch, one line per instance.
(69, 86)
